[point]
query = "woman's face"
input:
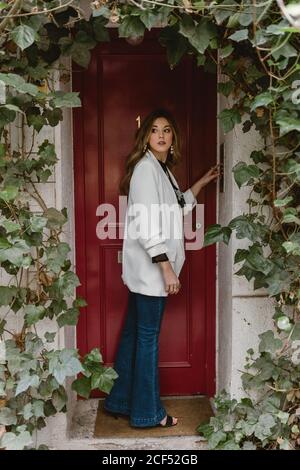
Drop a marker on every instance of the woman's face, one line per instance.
(161, 135)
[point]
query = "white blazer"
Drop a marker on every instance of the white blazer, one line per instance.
(151, 192)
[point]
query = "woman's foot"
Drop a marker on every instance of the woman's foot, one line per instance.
(168, 421)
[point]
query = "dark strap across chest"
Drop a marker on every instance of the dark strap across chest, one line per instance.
(179, 195)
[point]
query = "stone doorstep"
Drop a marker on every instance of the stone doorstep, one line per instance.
(159, 443)
(81, 435)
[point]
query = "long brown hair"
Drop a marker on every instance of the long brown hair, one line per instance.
(141, 139)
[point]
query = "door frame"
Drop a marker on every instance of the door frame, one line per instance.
(80, 227)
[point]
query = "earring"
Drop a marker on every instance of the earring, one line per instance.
(172, 150)
(145, 147)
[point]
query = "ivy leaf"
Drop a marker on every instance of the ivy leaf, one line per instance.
(148, 18)
(7, 416)
(15, 253)
(292, 247)
(131, 26)
(23, 36)
(43, 175)
(283, 202)
(81, 55)
(56, 256)
(64, 364)
(82, 386)
(286, 50)
(6, 116)
(94, 356)
(240, 255)
(35, 119)
(33, 313)
(27, 411)
(225, 88)
(70, 317)
(18, 82)
(296, 332)
(102, 11)
(233, 20)
(278, 282)
(226, 51)
(215, 233)
(243, 173)
(221, 13)
(13, 107)
(38, 408)
(263, 428)
(176, 45)
(10, 226)
(199, 36)
(12, 441)
(79, 302)
(61, 99)
(289, 218)
(268, 343)
(263, 99)
(255, 260)
(54, 116)
(105, 380)
(7, 294)
(59, 398)
(240, 35)
(288, 124)
(246, 16)
(55, 218)
(244, 227)
(100, 30)
(229, 118)
(49, 337)
(38, 223)
(26, 381)
(216, 438)
(68, 282)
(9, 193)
(47, 153)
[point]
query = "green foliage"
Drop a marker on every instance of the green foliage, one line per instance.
(271, 421)
(32, 370)
(95, 375)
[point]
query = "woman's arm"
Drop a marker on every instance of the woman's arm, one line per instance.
(172, 283)
(146, 210)
(209, 176)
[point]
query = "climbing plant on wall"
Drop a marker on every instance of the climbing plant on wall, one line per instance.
(255, 46)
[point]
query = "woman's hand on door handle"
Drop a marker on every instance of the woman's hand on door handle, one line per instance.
(210, 175)
(172, 283)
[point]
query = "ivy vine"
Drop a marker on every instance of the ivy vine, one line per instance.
(255, 45)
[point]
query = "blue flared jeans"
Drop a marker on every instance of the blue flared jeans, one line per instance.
(136, 391)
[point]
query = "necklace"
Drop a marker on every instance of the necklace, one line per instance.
(178, 193)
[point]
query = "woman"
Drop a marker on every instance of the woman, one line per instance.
(152, 259)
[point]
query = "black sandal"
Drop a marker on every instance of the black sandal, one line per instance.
(168, 423)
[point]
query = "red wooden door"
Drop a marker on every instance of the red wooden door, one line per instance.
(122, 83)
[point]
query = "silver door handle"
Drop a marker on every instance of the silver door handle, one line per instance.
(119, 256)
